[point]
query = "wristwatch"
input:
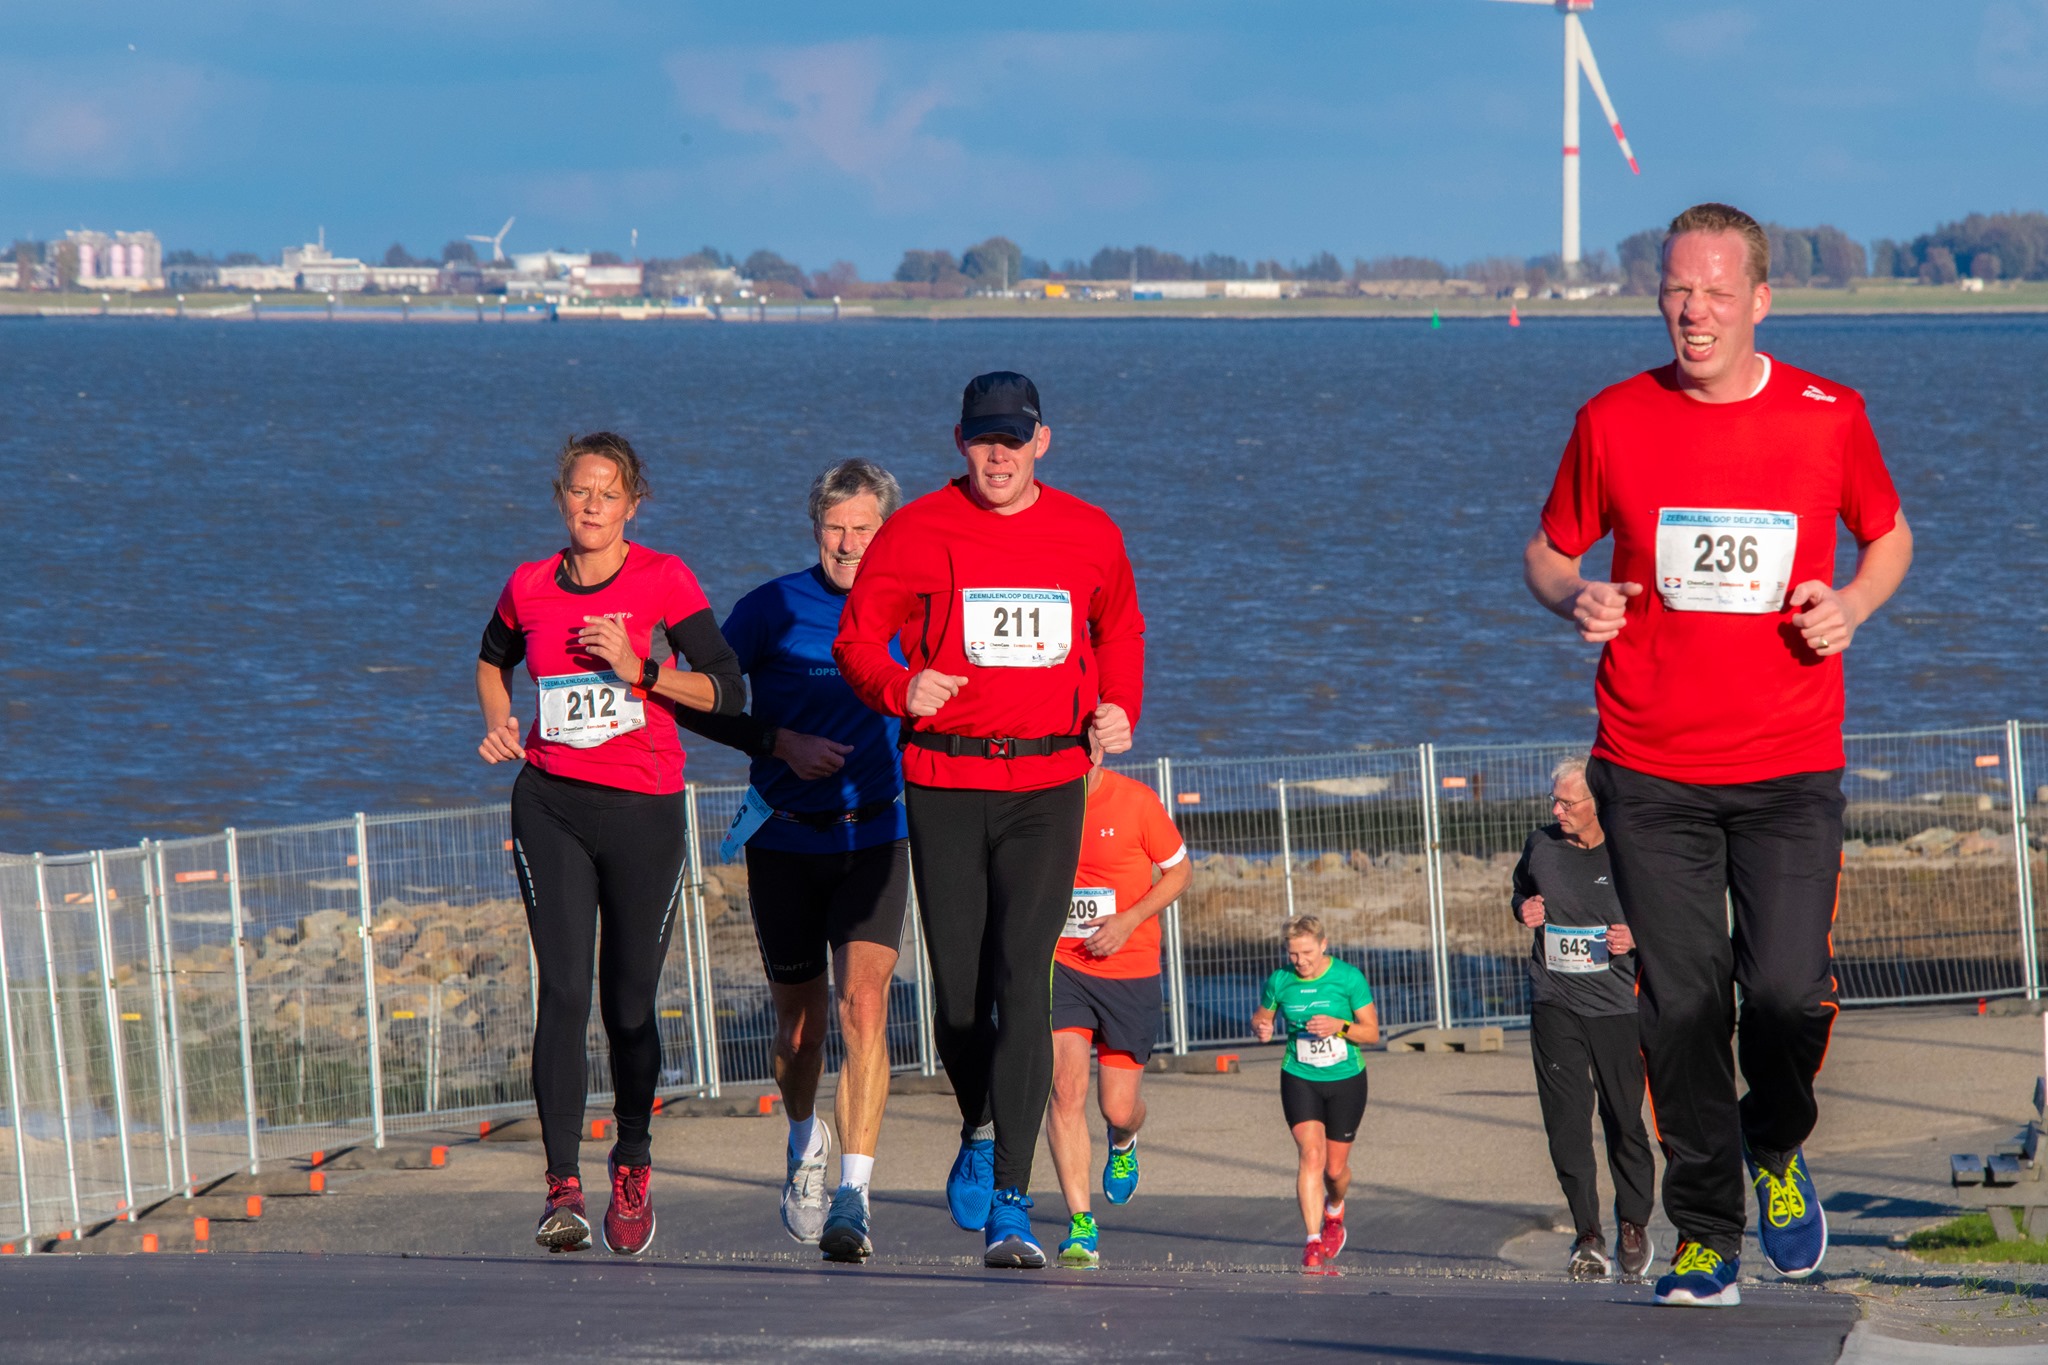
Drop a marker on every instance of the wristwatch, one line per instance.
(770, 735)
(650, 673)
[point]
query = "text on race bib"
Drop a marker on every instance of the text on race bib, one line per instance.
(583, 710)
(1310, 1050)
(1092, 906)
(1017, 627)
(1722, 559)
(1574, 951)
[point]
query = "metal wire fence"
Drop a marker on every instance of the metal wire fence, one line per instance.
(183, 1009)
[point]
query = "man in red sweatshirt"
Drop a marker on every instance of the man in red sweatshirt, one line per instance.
(1015, 607)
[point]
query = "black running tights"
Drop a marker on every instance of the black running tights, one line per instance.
(995, 876)
(587, 854)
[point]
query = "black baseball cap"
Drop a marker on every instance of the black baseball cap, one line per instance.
(1001, 402)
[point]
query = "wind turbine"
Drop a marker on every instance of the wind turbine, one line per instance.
(497, 243)
(1578, 56)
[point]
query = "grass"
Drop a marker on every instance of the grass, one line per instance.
(1970, 1240)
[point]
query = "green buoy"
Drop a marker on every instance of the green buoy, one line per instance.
(1434, 320)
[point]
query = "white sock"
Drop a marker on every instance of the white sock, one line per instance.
(1335, 1210)
(803, 1136)
(1315, 1236)
(857, 1171)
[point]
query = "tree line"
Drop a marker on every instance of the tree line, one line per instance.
(1989, 247)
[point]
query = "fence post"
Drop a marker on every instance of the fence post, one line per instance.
(688, 929)
(921, 976)
(242, 995)
(1286, 847)
(117, 1063)
(701, 982)
(373, 1024)
(1176, 962)
(2016, 778)
(1433, 863)
(57, 1039)
(14, 1092)
(150, 913)
(177, 1072)
(433, 1046)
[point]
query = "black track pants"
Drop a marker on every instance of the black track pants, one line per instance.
(1774, 849)
(1579, 1058)
(586, 853)
(995, 876)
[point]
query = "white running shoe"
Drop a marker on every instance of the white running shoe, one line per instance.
(804, 1196)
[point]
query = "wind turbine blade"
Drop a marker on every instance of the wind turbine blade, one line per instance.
(1592, 70)
(508, 226)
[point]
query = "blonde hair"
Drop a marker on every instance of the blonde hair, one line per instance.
(607, 445)
(1726, 218)
(1305, 926)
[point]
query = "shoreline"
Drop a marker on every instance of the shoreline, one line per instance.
(2026, 298)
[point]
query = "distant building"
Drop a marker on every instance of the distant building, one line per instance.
(404, 279)
(120, 260)
(10, 274)
(1251, 289)
(257, 278)
(464, 277)
(607, 281)
(548, 265)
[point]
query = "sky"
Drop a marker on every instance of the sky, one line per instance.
(1260, 128)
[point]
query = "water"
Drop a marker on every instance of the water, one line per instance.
(252, 562)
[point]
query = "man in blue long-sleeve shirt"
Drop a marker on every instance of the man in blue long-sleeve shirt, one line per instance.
(827, 852)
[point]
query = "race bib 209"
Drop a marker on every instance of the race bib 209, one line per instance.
(1092, 907)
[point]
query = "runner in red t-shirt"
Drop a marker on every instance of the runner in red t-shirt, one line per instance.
(1719, 760)
(597, 810)
(1014, 604)
(1105, 991)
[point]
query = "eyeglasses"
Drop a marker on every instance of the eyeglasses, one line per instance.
(1559, 803)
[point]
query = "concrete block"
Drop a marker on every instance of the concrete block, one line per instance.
(1964, 1168)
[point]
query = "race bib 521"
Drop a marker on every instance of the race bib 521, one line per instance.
(583, 710)
(1724, 559)
(1310, 1050)
(1016, 627)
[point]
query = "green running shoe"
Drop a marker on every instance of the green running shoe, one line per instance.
(1078, 1251)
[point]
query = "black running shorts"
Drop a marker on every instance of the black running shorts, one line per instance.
(1121, 1013)
(807, 906)
(1338, 1105)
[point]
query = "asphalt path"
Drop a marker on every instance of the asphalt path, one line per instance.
(298, 1307)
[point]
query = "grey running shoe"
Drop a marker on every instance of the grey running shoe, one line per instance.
(846, 1228)
(1633, 1249)
(803, 1193)
(1589, 1259)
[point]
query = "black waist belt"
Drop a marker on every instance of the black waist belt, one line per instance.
(828, 819)
(971, 746)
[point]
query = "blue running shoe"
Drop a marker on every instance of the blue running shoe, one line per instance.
(971, 1184)
(1010, 1243)
(1082, 1249)
(1120, 1172)
(1700, 1278)
(1790, 1223)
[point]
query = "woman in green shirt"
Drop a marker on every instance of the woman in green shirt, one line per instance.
(1327, 1010)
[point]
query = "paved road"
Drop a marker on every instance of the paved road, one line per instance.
(401, 1309)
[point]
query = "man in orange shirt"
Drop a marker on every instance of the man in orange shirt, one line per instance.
(1105, 991)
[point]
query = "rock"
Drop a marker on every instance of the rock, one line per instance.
(1360, 861)
(1329, 863)
(1935, 839)
(1854, 848)
(1981, 843)
(326, 923)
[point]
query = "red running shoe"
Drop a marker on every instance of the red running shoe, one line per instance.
(1312, 1258)
(563, 1224)
(1334, 1236)
(629, 1219)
